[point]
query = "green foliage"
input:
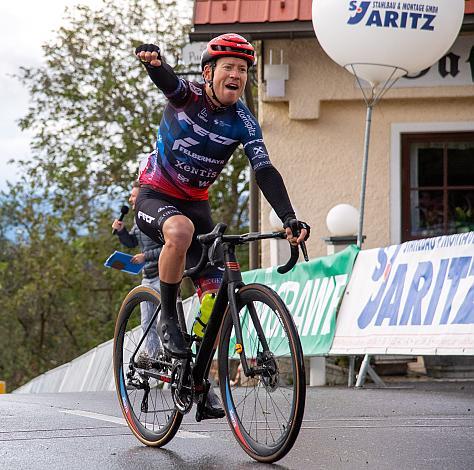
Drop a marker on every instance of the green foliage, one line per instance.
(93, 115)
(57, 299)
(94, 111)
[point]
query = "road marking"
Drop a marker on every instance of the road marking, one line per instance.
(89, 414)
(121, 421)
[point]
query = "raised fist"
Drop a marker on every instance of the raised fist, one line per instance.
(149, 54)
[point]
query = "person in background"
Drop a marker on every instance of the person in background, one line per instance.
(149, 254)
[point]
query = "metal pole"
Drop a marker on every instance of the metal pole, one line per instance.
(363, 371)
(350, 378)
(253, 192)
(253, 215)
(360, 239)
(368, 123)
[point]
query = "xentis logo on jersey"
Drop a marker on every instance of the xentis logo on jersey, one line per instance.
(399, 15)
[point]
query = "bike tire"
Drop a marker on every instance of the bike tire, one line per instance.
(156, 427)
(265, 413)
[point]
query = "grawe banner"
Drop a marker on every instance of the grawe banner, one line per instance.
(312, 291)
(414, 298)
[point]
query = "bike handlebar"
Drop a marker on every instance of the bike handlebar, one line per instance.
(294, 255)
(207, 239)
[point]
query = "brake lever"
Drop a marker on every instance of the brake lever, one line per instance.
(212, 251)
(304, 250)
(303, 246)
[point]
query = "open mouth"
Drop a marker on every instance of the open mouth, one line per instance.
(232, 86)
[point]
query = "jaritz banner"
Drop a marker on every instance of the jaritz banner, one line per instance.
(312, 291)
(414, 298)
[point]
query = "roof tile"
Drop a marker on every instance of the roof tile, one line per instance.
(250, 11)
(260, 11)
(469, 7)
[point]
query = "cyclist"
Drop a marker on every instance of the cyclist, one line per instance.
(149, 254)
(201, 127)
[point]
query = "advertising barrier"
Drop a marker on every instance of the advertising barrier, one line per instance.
(312, 291)
(414, 298)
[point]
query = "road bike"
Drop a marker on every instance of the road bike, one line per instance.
(255, 335)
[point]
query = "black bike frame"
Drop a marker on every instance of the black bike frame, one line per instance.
(231, 281)
(226, 296)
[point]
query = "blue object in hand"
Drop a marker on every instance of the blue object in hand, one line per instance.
(123, 262)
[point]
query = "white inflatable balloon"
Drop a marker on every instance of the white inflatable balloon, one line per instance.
(342, 220)
(378, 36)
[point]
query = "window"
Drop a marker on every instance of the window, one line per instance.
(437, 184)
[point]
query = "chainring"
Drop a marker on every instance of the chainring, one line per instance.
(182, 394)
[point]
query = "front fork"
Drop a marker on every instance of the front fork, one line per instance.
(235, 282)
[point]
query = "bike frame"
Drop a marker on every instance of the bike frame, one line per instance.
(226, 296)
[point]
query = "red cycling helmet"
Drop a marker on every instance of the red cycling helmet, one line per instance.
(228, 45)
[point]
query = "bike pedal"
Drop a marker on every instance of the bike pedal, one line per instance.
(208, 414)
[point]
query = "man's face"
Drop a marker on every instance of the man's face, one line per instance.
(133, 197)
(230, 78)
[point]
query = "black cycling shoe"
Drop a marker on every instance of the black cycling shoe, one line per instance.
(171, 336)
(212, 409)
(212, 412)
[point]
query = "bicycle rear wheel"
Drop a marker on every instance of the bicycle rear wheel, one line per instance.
(146, 402)
(265, 412)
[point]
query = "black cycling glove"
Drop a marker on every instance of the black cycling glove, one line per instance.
(296, 226)
(148, 48)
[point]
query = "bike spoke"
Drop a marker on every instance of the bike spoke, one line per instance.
(266, 403)
(148, 408)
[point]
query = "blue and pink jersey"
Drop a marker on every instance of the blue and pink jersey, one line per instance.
(195, 142)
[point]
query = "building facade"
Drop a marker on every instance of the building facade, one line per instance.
(420, 180)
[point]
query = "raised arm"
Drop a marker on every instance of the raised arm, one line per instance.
(269, 179)
(161, 74)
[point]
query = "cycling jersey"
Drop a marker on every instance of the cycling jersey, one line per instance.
(196, 139)
(194, 143)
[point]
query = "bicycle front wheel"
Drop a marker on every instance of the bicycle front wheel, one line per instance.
(265, 411)
(146, 402)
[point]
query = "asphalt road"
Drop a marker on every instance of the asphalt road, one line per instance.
(415, 426)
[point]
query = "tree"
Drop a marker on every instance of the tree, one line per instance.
(93, 111)
(57, 299)
(93, 114)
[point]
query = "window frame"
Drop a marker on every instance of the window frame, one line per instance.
(407, 139)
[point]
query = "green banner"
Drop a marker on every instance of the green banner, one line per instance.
(312, 291)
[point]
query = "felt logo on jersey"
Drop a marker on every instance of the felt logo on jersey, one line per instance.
(147, 218)
(186, 142)
(400, 15)
(182, 116)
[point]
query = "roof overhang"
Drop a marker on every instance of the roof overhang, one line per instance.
(255, 31)
(468, 23)
(274, 30)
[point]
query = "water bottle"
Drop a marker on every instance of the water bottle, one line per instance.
(207, 303)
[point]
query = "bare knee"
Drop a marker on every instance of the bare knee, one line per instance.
(178, 232)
